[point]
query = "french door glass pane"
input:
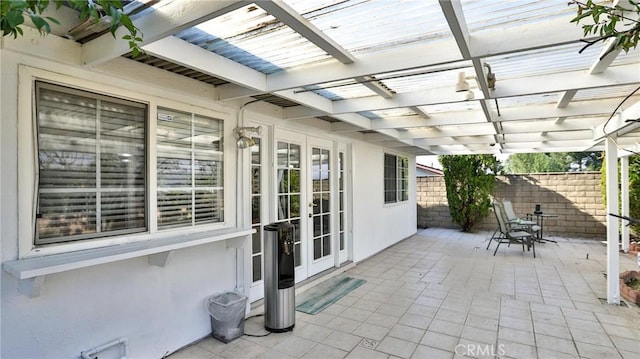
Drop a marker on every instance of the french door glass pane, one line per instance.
(288, 186)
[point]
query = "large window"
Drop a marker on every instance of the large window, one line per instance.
(91, 165)
(92, 175)
(190, 182)
(396, 178)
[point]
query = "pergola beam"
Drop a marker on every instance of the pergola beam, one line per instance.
(163, 21)
(302, 26)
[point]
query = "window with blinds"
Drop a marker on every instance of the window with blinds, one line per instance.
(189, 169)
(396, 178)
(91, 165)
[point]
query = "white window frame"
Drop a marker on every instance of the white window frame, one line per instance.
(28, 162)
(398, 179)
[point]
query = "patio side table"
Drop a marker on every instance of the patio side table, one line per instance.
(540, 219)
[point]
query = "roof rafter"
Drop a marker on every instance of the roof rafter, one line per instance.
(163, 21)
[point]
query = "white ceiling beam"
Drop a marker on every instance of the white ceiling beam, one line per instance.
(375, 86)
(407, 99)
(620, 124)
(302, 26)
(231, 91)
(486, 139)
(606, 57)
(542, 111)
(345, 127)
(620, 75)
(181, 52)
(566, 98)
(367, 64)
(419, 111)
(513, 39)
(452, 10)
(550, 126)
(536, 35)
(450, 131)
(166, 19)
(400, 122)
(551, 136)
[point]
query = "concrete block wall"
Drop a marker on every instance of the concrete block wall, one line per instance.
(575, 198)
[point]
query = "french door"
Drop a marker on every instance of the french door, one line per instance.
(301, 180)
(321, 206)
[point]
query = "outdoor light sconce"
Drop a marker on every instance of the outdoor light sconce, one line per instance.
(243, 137)
(463, 86)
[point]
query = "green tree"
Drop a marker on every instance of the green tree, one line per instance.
(606, 22)
(14, 12)
(553, 162)
(470, 181)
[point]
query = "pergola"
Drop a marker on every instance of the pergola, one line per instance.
(396, 72)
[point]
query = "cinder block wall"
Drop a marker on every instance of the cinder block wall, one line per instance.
(575, 198)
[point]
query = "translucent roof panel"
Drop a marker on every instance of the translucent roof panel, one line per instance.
(390, 113)
(426, 78)
(341, 90)
(451, 107)
(364, 26)
(606, 92)
(540, 99)
(247, 36)
(499, 14)
(544, 61)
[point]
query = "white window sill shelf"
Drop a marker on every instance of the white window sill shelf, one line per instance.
(32, 271)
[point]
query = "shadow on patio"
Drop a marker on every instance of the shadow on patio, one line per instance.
(440, 294)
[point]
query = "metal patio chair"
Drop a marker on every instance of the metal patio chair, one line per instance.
(518, 222)
(510, 235)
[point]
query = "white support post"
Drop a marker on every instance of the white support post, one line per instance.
(624, 186)
(613, 251)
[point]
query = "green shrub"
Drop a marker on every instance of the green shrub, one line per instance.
(470, 181)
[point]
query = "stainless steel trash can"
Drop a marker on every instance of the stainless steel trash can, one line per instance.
(279, 278)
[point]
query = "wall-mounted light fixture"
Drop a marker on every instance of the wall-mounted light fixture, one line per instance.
(243, 137)
(462, 84)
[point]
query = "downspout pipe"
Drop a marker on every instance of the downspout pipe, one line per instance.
(88, 354)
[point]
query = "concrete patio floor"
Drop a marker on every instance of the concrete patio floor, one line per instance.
(440, 294)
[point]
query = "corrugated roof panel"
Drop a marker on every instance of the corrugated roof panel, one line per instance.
(389, 113)
(543, 61)
(364, 26)
(427, 78)
(499, 14)
(247, 36)
(606, 92)
(551, 97)
(452, 107)
(341, 90)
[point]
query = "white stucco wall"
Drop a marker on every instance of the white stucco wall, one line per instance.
(377, 225)
(159, 309)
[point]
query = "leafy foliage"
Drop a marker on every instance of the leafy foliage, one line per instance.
(634, 189)
(609, 22)
(553, 162)
(470, 181)
(14, 12)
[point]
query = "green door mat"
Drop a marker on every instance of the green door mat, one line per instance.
(316, 299)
